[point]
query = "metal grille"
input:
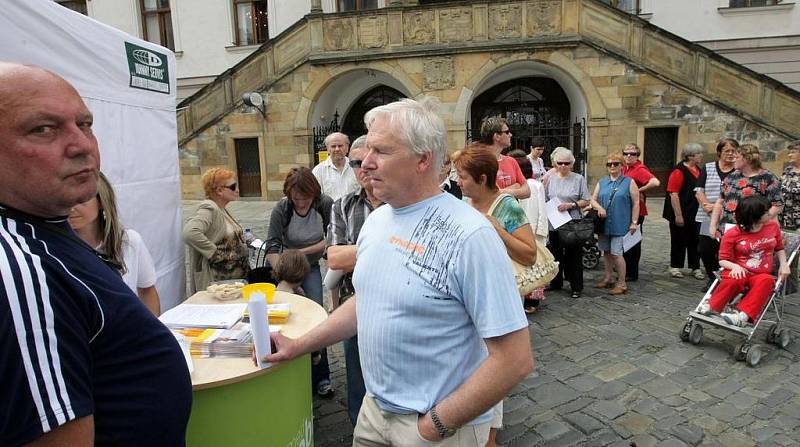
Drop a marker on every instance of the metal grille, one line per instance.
(248, 167)
(660, 146)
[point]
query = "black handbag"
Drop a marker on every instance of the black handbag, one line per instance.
(262, 272)
(598, 222)
(576, 232)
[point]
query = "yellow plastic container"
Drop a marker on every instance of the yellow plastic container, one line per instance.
(264, 287)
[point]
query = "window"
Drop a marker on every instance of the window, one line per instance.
(157, 22)
(75, 5)
(250, 17)
(749, 3)
(629, 6)
(357, 5)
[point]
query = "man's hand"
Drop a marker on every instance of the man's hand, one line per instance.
(426, 428)
(284, 349)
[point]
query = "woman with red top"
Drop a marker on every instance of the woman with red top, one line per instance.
(496, 136)
(645, 181)
(746, 254)
(680, 208)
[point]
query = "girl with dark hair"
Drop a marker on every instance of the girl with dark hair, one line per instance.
(746, 254)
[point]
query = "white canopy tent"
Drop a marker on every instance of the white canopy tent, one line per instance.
(129, 85)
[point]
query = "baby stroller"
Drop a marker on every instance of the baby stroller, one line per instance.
(777, 334)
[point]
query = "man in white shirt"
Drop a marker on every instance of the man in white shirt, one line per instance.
(335, 175)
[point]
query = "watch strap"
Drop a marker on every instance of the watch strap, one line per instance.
(444, 432)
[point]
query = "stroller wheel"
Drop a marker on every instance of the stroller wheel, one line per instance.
(685, 330)
(590, 257)
(772, 333)
(696, 334)
(783, 338)
(753, 355)
(740, 351)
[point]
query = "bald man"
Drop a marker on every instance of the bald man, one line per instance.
(335, 175)
(82, 361)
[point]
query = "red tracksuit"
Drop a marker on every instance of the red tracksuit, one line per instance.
(754, 253)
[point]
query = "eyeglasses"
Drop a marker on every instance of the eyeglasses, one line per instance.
(631, 154)
(355, 163)
(563, 163)
(232, 186)
(613, 163)
(507, 131)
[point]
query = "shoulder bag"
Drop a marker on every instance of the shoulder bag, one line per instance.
(532, 277)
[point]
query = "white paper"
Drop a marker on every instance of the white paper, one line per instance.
(557, 218)
(259, 325)
(629, 240)
(218, 316)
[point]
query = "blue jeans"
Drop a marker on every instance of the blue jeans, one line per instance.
(312, 285)
(355, 381)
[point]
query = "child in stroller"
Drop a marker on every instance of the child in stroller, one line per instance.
(746, 255)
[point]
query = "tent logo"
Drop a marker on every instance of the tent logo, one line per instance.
(147, 57)
(148, 69)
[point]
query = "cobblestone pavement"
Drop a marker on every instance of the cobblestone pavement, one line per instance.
(612, 370)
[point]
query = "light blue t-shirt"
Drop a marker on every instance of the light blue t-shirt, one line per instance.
(432, 281)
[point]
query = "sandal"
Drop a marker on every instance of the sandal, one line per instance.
(604, 285)
(617, 290)
(530, 305)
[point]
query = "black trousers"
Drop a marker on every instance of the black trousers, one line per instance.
(683, 243)
(569, 263)
(709, 253)
(633, 255)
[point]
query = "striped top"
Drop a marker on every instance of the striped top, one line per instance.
(76, 341)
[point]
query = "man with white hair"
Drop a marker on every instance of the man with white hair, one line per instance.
(441, 330)
(335, 175)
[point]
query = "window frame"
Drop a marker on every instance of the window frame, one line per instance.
(748, 3)
(84, 11)
(615, 3)
(259, 39)
(162, 31)
(359, 6)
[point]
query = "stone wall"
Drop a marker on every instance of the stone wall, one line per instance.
(621, 101)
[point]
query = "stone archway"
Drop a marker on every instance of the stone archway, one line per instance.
(353, 121)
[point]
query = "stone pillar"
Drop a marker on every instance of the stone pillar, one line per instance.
(316, 6)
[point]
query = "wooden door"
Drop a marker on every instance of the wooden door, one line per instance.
(248, 167)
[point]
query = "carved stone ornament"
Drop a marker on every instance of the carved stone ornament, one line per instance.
(544, 18)
(372, 31)
(439, 73)
(418, 27)
(455, 25)
(505, 21)
(338, 34)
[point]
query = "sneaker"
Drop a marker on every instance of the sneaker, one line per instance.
(705, 309)
(675, 272)
(739, 319)
(324, 388)
(698, 274)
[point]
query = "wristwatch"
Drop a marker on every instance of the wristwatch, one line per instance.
(444, 432)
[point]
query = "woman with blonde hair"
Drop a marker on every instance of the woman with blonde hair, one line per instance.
(217, 249)
(97, 222)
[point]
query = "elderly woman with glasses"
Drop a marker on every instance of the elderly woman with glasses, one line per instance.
(790, 188)
(749, 178)
(616, 199)
(571, 190)
(680, 209)
(645, 181)
(217, 249)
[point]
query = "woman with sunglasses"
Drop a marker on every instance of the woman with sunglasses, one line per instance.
(570, 188)
(96, 222)
(616, 199)
(645, 181)
(217, 249)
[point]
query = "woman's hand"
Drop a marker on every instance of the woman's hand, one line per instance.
(632, 227)
(708, 208)
(738, 272)
(679, 221)
(784, 272)
(566, 206)
(601, 212)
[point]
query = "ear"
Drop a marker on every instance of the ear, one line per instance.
(483, 180)
(425, 162)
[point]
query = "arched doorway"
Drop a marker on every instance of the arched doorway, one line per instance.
(353, 123)
(534, 107)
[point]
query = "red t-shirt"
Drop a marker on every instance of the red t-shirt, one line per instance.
(675, 182)
(752, 251)
(508, 173)
(640, 175)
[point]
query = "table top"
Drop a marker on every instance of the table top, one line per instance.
(213, 372)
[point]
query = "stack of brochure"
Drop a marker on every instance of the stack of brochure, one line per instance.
(234, 342)
(214, 316)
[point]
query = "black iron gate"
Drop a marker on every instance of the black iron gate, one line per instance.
(320, 132)
(555, 133)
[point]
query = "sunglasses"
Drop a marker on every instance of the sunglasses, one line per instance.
(631, 154)
(232, 186)
(355, 163)
(563, 163)
(507, 131)
(613, 163)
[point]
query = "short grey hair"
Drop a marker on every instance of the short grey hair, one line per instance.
(359, 142)
(417, 124)
(561, 152)
(346, 138)
(691, 149)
